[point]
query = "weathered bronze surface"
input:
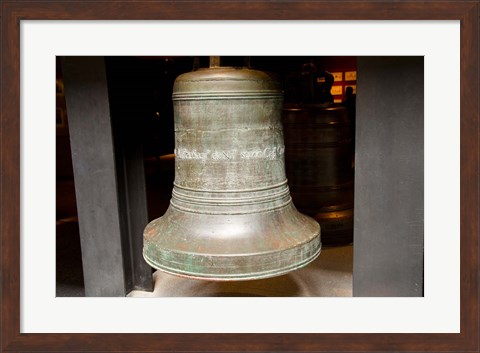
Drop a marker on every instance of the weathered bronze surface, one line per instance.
(319, 163)
(231, 216)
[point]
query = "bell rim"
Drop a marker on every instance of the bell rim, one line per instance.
(246, 276)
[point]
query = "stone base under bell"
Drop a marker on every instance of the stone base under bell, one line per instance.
(231, 247)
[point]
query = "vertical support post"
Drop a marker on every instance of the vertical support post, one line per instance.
(107, 252)
(389, 193)
(133, 208)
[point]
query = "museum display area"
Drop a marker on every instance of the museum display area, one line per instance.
(353, 160)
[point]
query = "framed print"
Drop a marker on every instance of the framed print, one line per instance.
(181, 326)
(337, 76)
(336, 90)
(350, 76)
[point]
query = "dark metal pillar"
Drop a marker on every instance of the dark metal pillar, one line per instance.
(111, 209)
(388, 229)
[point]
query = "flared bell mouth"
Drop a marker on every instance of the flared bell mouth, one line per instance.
(235, 247)
(241, 267)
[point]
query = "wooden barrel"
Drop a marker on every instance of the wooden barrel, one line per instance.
(319, 165)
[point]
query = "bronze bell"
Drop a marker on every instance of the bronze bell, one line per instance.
(231, 216)
(319, 151)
